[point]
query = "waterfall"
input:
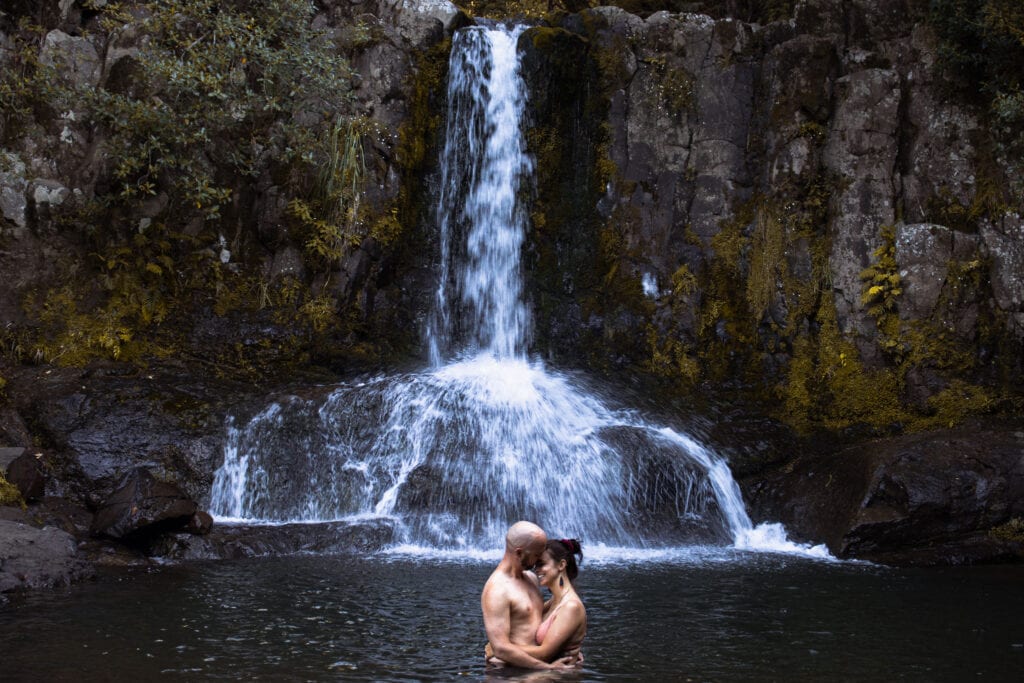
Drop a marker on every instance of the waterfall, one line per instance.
(482, 163)
(485, 436)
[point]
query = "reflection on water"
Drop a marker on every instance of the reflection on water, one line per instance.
(725, 615)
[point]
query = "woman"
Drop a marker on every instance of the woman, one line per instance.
(564, 621)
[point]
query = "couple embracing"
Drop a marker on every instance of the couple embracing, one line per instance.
(522, 629)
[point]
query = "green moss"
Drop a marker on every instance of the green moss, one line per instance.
(931, 343)
(684, 282)
(767, 262)
(419, 133)
(813, 131)
(387, 228)
(9, 494)
(1012, 531)
(954, 404)
(671, 359)
(828, 386)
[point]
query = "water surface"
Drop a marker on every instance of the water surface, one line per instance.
(714, 615)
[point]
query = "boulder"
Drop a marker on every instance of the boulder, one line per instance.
(422, 22)
(110, 420)
(37, 558)
(200, 524)
(74, 57)
(22, 469)
(141, 508)
(13, 202)
(949, 497)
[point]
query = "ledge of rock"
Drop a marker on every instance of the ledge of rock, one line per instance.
(22, 469)
(37, 558)
(949, 497)
(235, 541)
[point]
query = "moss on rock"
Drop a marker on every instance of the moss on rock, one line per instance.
(9, 494)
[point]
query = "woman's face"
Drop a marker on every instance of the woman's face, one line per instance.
(547, 569)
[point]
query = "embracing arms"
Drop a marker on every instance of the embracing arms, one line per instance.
(498, 625)
(559, 637)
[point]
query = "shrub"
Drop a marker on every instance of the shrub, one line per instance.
(223, 90)
(982, 48)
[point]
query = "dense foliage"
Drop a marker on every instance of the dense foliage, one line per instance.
(243, 81)
(204, 100)
(983, 49)
(745, 10)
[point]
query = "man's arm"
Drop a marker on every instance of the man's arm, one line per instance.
(498, 626)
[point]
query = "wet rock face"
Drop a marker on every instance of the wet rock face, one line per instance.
(926, 499)
(99, 425)
(861, 150)
(834, 123)
(227, 541)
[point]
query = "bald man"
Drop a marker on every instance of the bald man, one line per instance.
(512, 603)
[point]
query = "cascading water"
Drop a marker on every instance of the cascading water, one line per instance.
(485, 436)
(482, 164)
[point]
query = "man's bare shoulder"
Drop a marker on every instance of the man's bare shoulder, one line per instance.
(501, 585)
(498, 583)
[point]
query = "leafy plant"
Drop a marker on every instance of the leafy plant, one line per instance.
(327, 216)
(982, 47)
(882, 278)
(223, 89)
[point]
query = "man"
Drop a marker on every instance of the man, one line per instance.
(511, 601)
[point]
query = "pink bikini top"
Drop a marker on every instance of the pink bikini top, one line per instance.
(542, 630)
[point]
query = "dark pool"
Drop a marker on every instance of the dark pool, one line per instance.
(707, 616)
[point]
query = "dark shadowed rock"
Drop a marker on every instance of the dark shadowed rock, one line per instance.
(235, 541)
(143, 507)
(200, 523)
(13, 431)
(37, 558)
(922, 499)
(105, 422)
(22, 469)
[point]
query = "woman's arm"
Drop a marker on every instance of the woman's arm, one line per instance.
(562, 629)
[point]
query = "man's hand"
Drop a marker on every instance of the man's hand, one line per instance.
(564, 663)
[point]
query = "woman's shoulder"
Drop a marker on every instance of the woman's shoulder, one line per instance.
(574, 605)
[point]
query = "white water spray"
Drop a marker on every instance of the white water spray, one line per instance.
(485, 437)
(480, 216)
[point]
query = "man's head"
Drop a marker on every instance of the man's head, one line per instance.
(526, 541)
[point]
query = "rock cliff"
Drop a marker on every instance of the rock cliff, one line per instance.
(797, 212)
(800, 206)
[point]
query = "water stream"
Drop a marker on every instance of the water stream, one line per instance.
(485, 435)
